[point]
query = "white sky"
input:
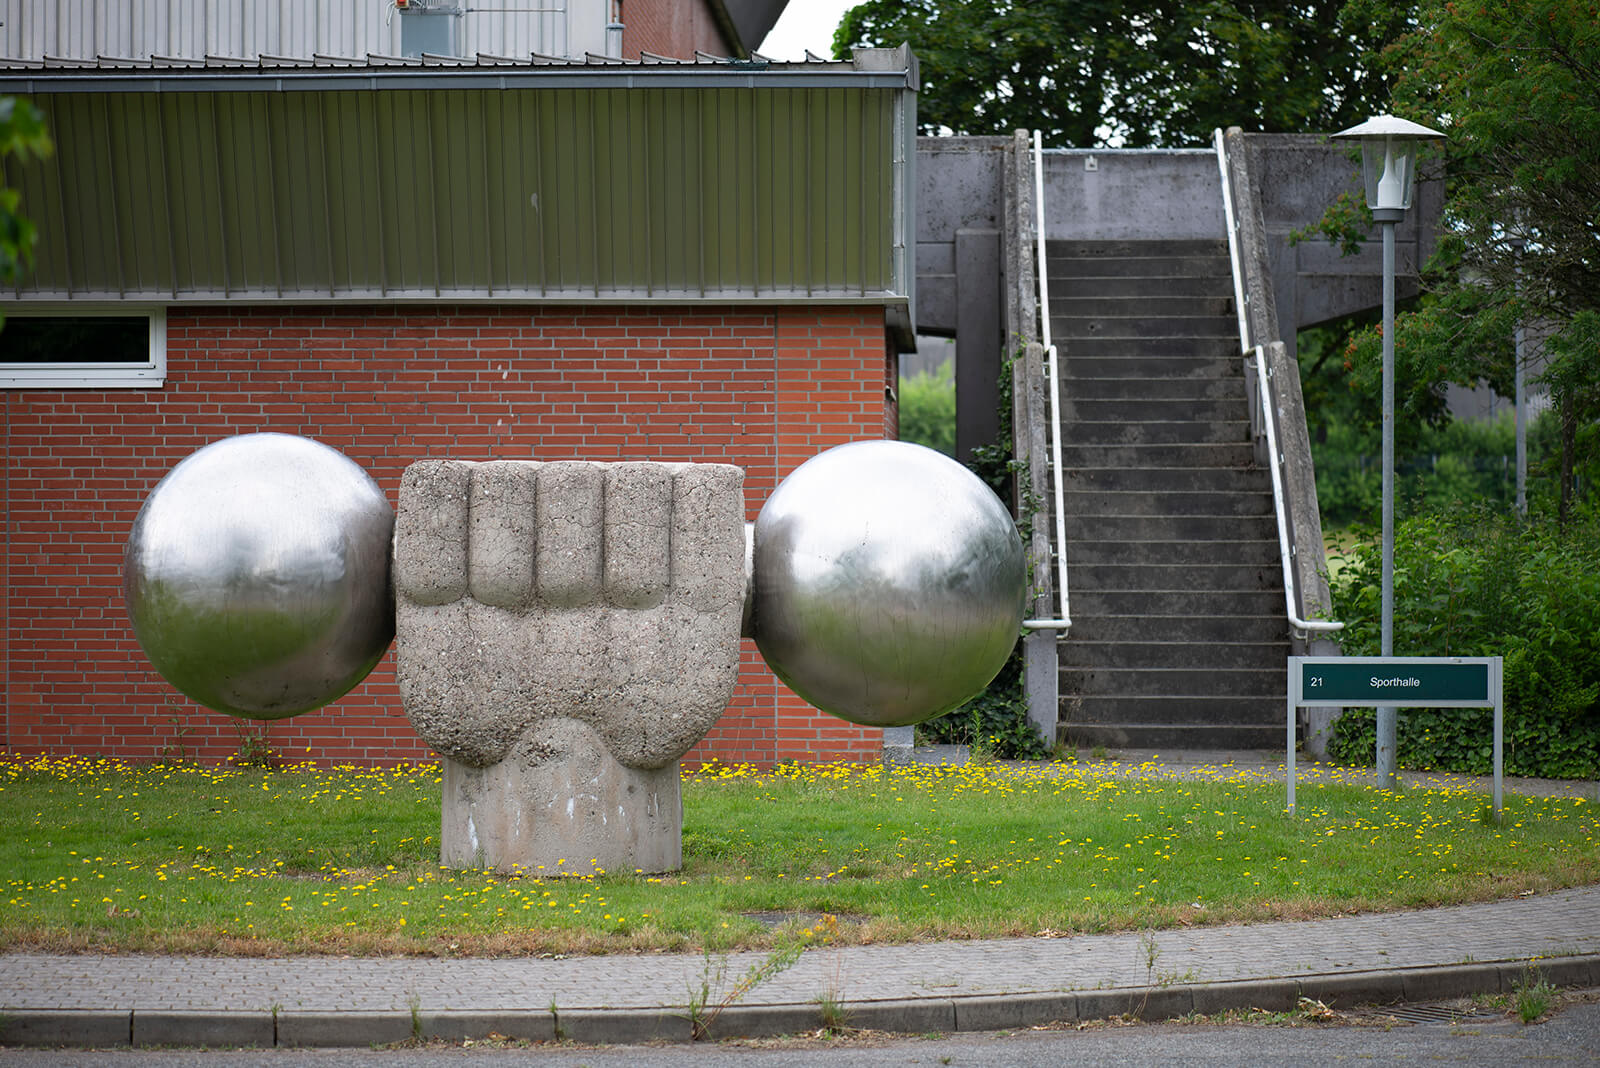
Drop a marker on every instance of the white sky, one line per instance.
(805, 24)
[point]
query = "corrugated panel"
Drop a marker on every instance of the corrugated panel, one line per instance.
(560, 194)
(538, 26)
(194, 29)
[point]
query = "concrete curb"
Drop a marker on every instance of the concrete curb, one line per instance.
(27, 1027)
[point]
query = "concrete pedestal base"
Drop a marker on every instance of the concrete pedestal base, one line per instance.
(573, 814)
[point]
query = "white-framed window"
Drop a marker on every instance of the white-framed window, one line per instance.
(78, 346)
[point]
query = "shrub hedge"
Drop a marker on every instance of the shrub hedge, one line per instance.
(1473, 582)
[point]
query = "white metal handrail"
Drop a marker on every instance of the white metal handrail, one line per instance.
(1275, 462)
(1064, 622)
(1264, 393)
(1233, 243)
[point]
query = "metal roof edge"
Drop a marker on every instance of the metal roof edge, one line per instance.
(122, 79)
(476, 298)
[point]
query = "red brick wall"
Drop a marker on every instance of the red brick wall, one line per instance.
(676, 28)
(761, 388)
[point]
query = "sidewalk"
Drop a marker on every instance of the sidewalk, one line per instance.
(945, 986)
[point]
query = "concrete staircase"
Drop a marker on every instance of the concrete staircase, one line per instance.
(1179, 633)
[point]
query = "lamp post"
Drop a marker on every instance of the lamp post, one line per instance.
(1519, 243)
(1388, 169)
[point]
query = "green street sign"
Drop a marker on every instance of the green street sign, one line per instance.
(1395, 682)
(1400, 682)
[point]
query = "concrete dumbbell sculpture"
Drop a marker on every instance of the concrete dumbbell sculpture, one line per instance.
(566, 631)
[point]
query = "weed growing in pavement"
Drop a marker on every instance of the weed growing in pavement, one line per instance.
(835, 1014)
(703, 1011)
(1533, 994)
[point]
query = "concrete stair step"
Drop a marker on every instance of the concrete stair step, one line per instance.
(1215, 603)
(1253, 710)
(1186, 455)
(1073, 304)
(1196, 628)
(1069, 267)
(1207, 528)
(1107, 325)
(1231, 577)
(1175, 682)
(1230, 387)
(1119, 432)
(1078, 653)
(1135, 409)
(1168, 479)
(1147, 358)
(1119, 287)
(1091, 502)
(1090, 553)
(1173, 654)
(1118, 248)
(1064, 270)
(1162, 347)
(1177, 736)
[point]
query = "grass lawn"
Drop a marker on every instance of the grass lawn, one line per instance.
(179, 858)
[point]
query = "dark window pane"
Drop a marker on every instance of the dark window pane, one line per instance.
(42, 339)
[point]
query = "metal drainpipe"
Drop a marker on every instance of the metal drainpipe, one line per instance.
(614, 31)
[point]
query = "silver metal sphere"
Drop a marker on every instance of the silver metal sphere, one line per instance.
(257, 575)
(889, 583)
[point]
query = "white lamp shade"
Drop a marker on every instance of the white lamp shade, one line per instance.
(1388, 159)
(1388, 167)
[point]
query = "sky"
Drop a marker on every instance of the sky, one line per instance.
(805, 24)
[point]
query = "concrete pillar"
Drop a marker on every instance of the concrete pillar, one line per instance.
(978, 356)
(580, 813)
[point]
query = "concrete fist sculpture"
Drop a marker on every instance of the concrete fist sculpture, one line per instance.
(568, 630)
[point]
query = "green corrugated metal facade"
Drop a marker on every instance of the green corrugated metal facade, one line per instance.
(523, 193)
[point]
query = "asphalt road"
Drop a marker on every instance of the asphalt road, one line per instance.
(1570, 1036)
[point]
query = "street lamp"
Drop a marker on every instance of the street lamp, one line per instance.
(1388, 169)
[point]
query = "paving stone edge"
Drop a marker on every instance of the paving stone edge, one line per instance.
(987, 1012)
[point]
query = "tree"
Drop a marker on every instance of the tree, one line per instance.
(1137, 73)
(1515, 86)
(22, 134)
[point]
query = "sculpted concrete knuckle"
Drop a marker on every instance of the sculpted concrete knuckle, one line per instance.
(582, 609)
(500, 537)
(570, 506)
(430, 550)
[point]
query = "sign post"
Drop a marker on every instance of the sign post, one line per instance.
(1396, 682)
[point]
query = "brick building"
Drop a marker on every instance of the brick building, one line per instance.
(477, 258)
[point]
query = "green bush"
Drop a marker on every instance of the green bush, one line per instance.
(1475, 582)
(928, 409)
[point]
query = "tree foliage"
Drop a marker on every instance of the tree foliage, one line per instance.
(22, 135)
(928, 409)
(1515, 86)
(1137, 73)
